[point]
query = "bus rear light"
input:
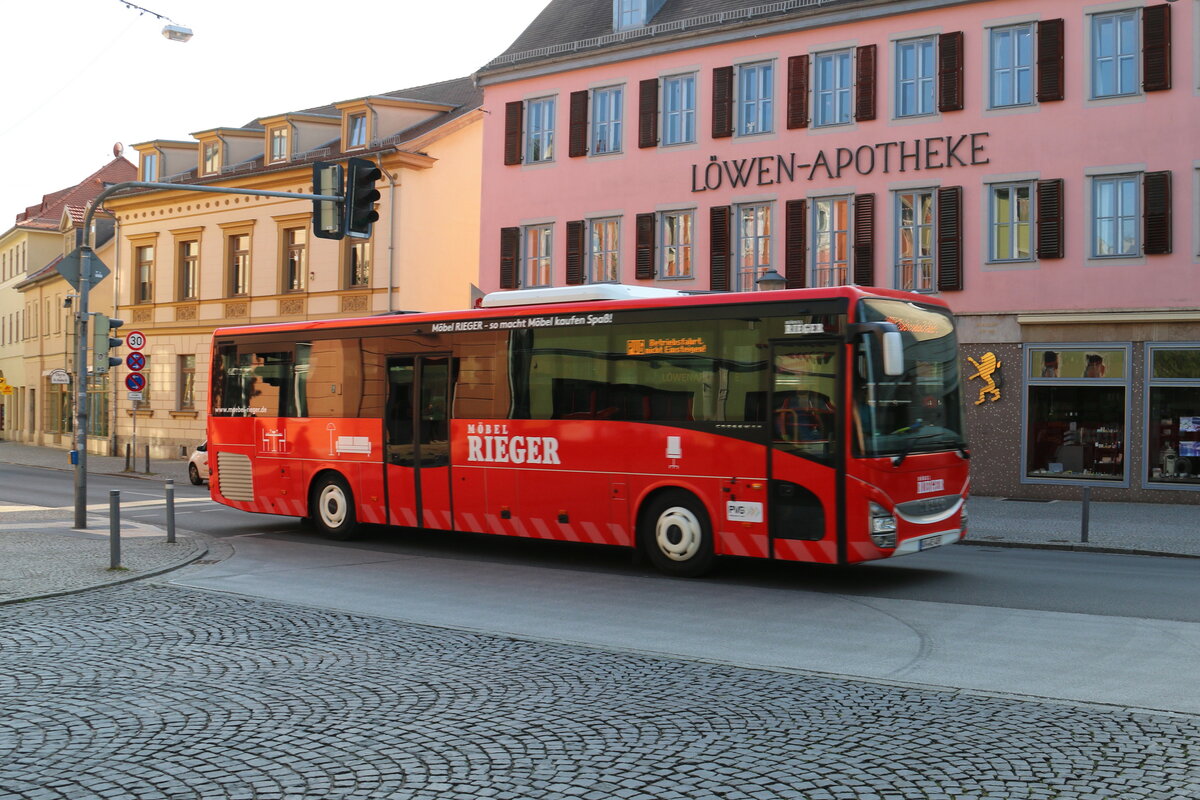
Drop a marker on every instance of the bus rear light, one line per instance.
(883, 527)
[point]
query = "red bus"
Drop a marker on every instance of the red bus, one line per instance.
(818, 425)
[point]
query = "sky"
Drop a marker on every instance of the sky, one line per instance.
(79, 76)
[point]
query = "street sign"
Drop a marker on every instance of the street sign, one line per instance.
(135, 381)
(59, 376)
(69, 269)
(135, 395)
(135, 361)
(135, 340)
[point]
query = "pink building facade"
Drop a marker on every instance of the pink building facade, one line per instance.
(1036, 165)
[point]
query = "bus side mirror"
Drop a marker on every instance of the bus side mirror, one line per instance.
(893, 353)
(891, 344)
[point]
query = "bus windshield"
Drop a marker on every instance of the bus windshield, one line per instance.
(921, 410)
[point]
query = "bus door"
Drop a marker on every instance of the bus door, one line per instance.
(806, 421)
(417, 434)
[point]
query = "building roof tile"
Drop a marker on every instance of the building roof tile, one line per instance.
(47, 215)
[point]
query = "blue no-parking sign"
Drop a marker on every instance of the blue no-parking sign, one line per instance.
(135, 382)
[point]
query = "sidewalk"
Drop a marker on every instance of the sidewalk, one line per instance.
(41, 555)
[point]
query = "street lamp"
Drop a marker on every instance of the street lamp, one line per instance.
(770, 280)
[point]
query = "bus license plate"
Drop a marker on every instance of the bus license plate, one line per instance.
(929, 542)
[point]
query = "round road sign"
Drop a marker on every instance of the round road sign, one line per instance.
(135, 361)
(135, 382)
(135, 340)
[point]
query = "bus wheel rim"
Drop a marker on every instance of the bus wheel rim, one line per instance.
(678, 534)
(332, 506)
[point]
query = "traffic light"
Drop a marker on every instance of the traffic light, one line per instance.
(102, 342)
(361, 196)
(329, 222)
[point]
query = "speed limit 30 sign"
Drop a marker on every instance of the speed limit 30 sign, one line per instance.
(135, 340)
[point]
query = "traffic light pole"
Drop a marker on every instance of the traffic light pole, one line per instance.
(81, 313)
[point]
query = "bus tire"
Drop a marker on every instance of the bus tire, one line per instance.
(676, 535)
(331, 508)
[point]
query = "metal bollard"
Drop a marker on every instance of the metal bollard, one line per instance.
(170, 510)
(114, 529)
(128, 457)
(147, 470)
(1087, 500)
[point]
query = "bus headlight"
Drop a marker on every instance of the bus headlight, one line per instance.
(883, 527)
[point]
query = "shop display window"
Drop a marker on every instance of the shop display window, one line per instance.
(1076, 413)
(1173, 415)
(1077, 432)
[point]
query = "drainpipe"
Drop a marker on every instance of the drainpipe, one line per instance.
(393, 203)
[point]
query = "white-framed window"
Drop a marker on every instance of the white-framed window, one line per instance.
(1011, 222)
(186, 390)
(189, 269)
(606, 119)
(755, 99)
(604, 250)
(915, 223)
(539, 133)
(753, 244)
(149, 166)
(834, 79)
(915, 76)
(679, 109)
(279, 144)
(1115, 46)
(629, 14)
(1012, 66)
(831, 241)
(295, 258)
(675, 245)
(1116, 212)
(356, 130)
(537, 248)
(358, 266)
(212, 158)
(143, 263)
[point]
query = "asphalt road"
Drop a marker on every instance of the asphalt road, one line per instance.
(1079, 626)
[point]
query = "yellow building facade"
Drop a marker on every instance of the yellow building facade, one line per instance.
(191, 262)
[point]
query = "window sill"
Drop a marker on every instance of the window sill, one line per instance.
(141, 412)
(184, 414)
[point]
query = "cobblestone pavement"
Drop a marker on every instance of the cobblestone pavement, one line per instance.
(153, 691)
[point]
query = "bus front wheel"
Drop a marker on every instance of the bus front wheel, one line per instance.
(331, 507)
(676, 535)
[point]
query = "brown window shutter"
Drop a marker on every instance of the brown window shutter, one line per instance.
(795, 248)
(644, 255)
(797, 96)
(513, 118)
(1050, 237)
(1156, 48)
(719, 247)
(577, 135)
(864, 90)
(510, 256)
(576, 238)
(1051, 74)
(648, 113)
(950, 71)
(722, 112)
(949, 238)
(1156, 199)
(864, 239)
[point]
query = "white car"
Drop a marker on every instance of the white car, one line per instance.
(198, 465)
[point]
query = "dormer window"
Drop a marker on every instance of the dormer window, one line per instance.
(279, 144)
(212, 158)
(356, 130)
(629, 14)
(150, 166)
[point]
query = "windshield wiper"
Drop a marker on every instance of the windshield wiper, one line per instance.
(898, 459)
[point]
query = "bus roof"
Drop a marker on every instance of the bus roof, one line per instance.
(584, 299)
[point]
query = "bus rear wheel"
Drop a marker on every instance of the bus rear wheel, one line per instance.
(331, 508)
(676, 535)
